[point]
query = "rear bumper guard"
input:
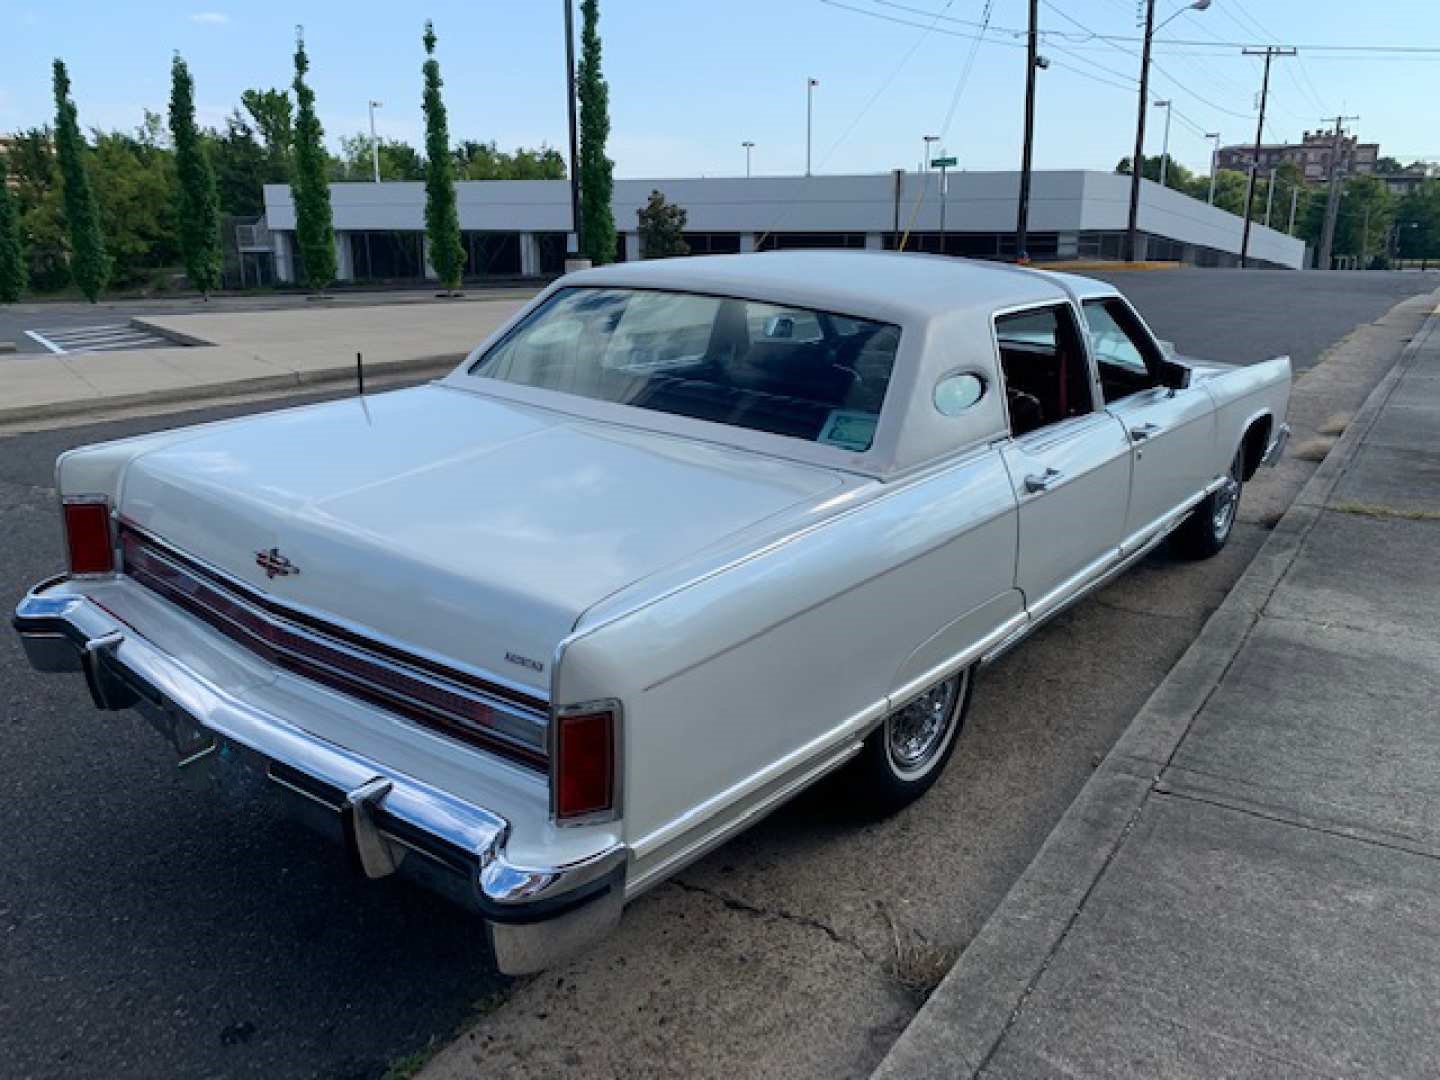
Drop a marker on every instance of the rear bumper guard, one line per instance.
(388, 821)
(1277, 445)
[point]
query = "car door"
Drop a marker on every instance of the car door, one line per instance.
(1171, 432)
(1068, 460)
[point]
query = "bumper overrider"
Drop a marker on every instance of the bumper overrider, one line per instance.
(389, 822)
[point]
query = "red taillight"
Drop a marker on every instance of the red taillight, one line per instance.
(87, 536)
(584, 775)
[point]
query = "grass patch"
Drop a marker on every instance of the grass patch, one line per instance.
(1376, 510)
(919, 965)
(1313, 449)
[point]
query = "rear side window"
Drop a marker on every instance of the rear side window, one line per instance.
(1047, 375)
(805, 374)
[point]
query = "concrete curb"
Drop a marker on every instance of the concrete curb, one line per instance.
(288, 382)
(137, 323)
(967, 1017)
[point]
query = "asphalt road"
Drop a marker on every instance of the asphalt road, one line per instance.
(152, 930)
(1240, 316)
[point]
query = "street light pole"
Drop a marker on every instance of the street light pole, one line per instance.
(374, 142)
(1269, 197)
(810, 84)
(748, 145)
(575, 222)
(925, 141)
(1294, 198)
(1165, 145)
(1137, 163)
(1214, 157)
(1032, 59)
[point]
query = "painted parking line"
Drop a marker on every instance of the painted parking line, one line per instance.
(101, 338)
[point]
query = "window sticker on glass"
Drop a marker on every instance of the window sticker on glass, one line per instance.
(849, 430)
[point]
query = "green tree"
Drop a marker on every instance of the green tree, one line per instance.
(1177, 176)
(135, 188)
(241, 167)
(661, 225)
(314, 227)
(486, 161)
(274, 120)
(38, 198)
(398, 160)
(89, 264)
(442, 219)
(198, 205)
(597, 172)
(12, 253)
(1417, 222)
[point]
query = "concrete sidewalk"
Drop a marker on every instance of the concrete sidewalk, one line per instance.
(1249, 885)
(248, 352)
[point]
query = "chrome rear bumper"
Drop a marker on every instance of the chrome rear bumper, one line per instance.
(389, 822)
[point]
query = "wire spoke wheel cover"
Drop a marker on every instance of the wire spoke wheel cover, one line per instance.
(916, 734)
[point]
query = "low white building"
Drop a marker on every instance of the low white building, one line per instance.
(518, 228)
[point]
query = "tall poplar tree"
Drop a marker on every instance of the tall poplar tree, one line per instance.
(597, 172)
(89, 264)
(12, 255)
(442, 219)
(314, 225)
(198, 205)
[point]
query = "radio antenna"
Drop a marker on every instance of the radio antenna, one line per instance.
(360, 373)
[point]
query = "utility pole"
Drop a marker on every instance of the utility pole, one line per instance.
(1269, 197)
(1022, 216)
(1214, 157)
(1332, 194)
(1269, 52)
(374, 142)
(810, 85)
(1137, 163)
(574, 136)
(748, 145)
(1165, 146)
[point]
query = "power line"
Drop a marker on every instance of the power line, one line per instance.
(1016, 32)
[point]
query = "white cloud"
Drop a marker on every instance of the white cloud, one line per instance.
(210, 18)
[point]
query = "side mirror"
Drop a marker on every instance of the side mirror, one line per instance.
(1173, 374)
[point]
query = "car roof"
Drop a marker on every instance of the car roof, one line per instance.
(878, 284)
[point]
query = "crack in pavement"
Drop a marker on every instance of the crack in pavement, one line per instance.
(734, 903)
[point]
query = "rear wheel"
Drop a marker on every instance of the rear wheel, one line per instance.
(908, 751)
(1210, 525)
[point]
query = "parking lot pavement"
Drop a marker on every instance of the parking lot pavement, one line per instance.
(154, 930)
(100, 337)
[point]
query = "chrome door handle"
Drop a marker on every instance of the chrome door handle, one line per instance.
(1036, 482)
(1144, 431)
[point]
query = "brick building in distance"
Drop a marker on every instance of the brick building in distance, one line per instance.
(1311, 156)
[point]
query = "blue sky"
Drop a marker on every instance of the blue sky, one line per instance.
(690, 80)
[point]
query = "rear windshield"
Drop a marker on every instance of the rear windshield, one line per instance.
(790, 371)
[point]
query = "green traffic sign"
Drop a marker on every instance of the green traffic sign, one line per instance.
(944, 162)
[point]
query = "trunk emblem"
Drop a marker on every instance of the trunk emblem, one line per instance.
(274, 564)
